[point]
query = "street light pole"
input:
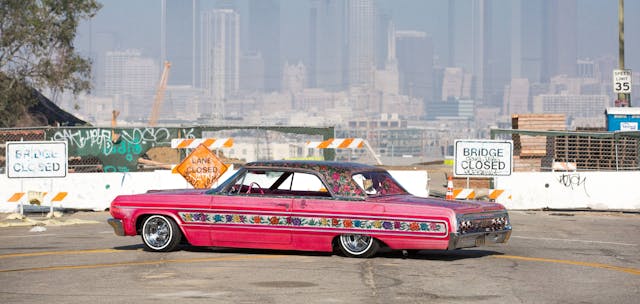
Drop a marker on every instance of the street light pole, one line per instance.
(622, 96)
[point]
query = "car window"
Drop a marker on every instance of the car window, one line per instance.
(255, 181)
(279, 183)
(300, 181)
(378, 183)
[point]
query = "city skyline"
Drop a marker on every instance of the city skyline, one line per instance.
(368, 46)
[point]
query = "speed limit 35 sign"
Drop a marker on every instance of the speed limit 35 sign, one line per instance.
(622, 81)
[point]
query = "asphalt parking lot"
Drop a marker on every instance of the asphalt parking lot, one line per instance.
(552, 257)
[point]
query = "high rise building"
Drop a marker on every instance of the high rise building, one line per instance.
(327, 45)
(414, 52)
(131, 80)
(129, 73)
(480, 40)
(543, 39)
(383, 25)
(251, 72)
(562, 35)
(516, 99)
(456, 84)
(361, 42)
(220, 53)
(179, 32)
(264, 37)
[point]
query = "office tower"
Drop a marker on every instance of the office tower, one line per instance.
(294, 77)
(360, 42)
(264, 37)
(543, 39)
(456, 84)
(497, 62)
(327, 45)
(383, 24)
(414, 52)
(129, 73)
(131, 79)
(516, 99)
(100, 42)
(479, 44)
(471, 40)
(251, 72)
(562, 16)
(220, 53)
(451, 21)
(179, 26)
(527, 40)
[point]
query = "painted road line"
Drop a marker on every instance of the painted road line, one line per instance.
(571, 240)
(569, 262)
(28, 235)
(152, 262)
(63, 252)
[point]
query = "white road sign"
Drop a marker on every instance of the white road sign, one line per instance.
(622, 81)
(483, 158)
(36, 159)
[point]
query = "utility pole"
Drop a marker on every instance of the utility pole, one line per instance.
(622, 96)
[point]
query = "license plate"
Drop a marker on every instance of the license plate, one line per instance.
(480, 241)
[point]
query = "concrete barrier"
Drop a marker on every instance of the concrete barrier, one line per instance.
(563, 190)
(95, 191)
(522, 190)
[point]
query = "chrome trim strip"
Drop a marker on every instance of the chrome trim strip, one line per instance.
(288, 213)
(293, 227)
(336, 230)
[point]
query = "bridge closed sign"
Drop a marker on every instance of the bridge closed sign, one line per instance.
(27, 159)
(483, 158)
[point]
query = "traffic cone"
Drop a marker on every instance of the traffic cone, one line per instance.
(449, 195)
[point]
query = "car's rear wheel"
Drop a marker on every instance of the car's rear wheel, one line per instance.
(160, 233)
(358, 246)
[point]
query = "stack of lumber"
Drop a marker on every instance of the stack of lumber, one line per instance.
(536, 146)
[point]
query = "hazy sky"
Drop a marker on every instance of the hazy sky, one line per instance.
(136, 24)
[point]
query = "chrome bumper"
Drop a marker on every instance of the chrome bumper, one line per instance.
(477, 239)
(118, 228)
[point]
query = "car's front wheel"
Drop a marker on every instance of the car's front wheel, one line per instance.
(358, 246)
(160, 233)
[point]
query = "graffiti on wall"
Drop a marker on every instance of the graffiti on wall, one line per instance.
(574, 181)
(121, 154)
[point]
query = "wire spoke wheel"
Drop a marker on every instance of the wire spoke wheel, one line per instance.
(357, 245)
(160, 233)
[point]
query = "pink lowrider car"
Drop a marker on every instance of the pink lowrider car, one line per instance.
(310, 206)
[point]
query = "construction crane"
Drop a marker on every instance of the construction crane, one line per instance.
(157, 101)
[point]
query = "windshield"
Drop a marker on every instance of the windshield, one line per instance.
(378, 183)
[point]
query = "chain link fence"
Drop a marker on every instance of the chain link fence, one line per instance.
(572, 151)
(94, 149)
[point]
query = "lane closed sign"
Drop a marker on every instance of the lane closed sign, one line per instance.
(483, 158)
(36, 159)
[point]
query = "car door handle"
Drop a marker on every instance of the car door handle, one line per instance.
(283, 205)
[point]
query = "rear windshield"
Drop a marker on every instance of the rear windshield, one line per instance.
(378, 183)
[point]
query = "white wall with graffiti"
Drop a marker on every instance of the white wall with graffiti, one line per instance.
(523, 190)
(565, 190)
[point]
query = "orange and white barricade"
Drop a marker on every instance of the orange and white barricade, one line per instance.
(192, 143)
(498, 195)
(338, 143)
(464, 194)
